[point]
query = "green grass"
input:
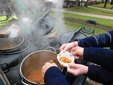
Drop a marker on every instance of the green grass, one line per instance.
(97, 30)
(108, 6)
(91, 10)
(104, 22)
(74, 25)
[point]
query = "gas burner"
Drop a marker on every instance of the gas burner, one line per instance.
(20, 49)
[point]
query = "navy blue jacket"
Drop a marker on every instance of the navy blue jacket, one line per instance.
(93, 52)
(54, 76)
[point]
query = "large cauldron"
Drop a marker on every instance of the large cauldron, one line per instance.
(35, 61)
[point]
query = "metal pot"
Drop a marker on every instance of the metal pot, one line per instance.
(33, 62)
(10, 44)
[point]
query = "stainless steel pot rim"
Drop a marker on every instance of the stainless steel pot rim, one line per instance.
(18, 51)
(15, 45)
(21, 74)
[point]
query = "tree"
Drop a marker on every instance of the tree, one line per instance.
(105, 3)
(77, 3)
(111, 4)
(87, 3)
(81, 3)
(102, 1)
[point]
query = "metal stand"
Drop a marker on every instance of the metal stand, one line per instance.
(4, 78)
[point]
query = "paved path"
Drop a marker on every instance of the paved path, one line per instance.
(91, 15)
(101, 8)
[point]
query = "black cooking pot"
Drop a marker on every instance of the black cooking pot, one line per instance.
(71, 36)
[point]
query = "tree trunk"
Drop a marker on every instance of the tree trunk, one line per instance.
(77, 3)
(102, 1)
(81, 3)
(87, 3)
(105, 3)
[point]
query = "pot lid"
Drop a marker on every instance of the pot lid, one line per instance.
(10, 43)
(67, 36)
(44, 25)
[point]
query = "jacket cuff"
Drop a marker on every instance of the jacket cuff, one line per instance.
(89, 53)
(50, 71)
(91, 71)
(54, 76)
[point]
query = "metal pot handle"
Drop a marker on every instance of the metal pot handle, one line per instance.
(51, 49)
(24, 82)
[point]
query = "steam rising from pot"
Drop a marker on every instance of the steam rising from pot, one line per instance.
(33, 9)
(26, 20)
(13, 31)
(59, 17)
(53, 1)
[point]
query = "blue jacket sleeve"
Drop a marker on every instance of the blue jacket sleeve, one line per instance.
(101, 40)
(54, 76)
(100, 74)
(103, 57)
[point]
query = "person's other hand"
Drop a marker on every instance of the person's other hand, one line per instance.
(68, 46)
(77, 69)
(46, 66)
(77, 52)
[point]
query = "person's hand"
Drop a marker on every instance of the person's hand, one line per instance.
(77, 69)
(46, 66)
(68, 46)
(77, 52)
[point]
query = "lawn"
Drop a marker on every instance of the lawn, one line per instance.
(108, 6)
(73, 25)
(104, 22)
(91, 10)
